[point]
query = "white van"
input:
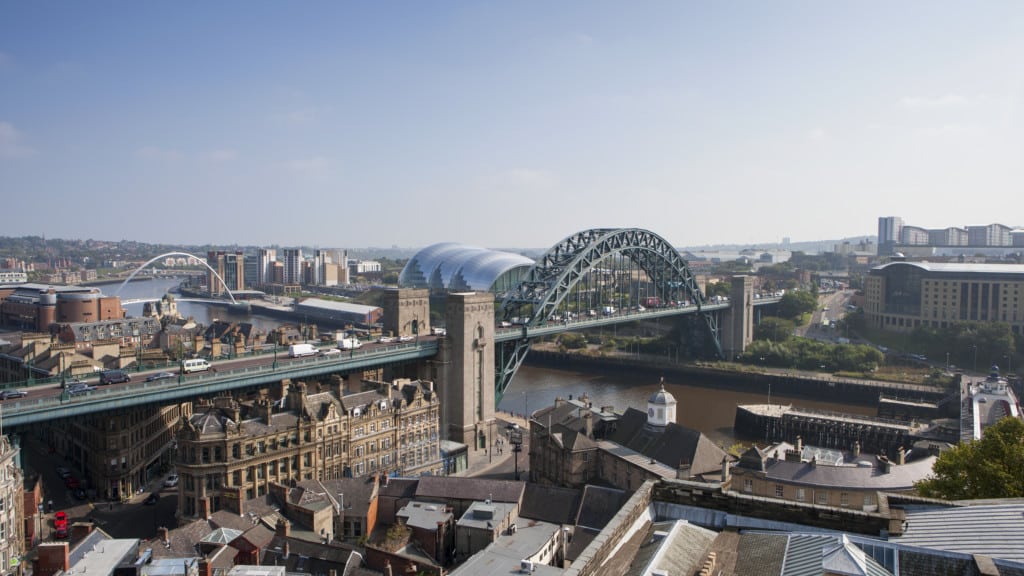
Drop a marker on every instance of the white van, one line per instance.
(194, 365)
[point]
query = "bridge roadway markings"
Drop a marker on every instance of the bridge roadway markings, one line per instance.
(204, 383)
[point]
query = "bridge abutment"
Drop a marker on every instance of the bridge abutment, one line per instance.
(738, 328)
(466, 359)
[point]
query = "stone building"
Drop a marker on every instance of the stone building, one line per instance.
(231, 451)
(573, 443)
(826, 477)
(119, 451)
(12, 510)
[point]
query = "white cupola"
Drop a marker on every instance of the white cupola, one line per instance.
(661, 407)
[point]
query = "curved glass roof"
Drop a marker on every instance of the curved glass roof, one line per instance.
(459, 267)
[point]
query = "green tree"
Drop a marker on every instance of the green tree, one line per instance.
(796, 303)
(992, 467)
(772, 328)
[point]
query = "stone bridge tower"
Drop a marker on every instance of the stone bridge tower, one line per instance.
(466, 358)
(406, 312)
(738, 325)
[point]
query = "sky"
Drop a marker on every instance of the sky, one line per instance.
(506, 124)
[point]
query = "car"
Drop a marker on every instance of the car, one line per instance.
(60, 525)
(114, 377)
(160, 376)
(79, 389)
(12, 393)
(63, 472)
(72, 483)
(152, 499)
(171, 481)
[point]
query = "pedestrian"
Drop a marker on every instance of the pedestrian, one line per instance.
(111, 503)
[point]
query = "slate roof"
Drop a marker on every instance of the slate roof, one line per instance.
(354, 493)
(991, 530)
(671, 445)
(598, 505)
(760, 554)
(900, 477)
(552, 504)
(399, 488)
(314, 557)
(458, 488)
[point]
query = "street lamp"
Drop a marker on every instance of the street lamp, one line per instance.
(1009, 363)
(975, 368)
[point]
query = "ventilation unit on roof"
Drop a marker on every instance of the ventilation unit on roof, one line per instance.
(526, 566)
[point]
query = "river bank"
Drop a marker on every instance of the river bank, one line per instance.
(810, 385)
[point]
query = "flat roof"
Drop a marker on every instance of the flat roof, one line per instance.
(959, 267)
(338, 306)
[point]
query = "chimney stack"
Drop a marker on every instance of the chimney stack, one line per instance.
(856, 448)
(901, 456)
(283, 528)
(161, 532)
(588, 424)
(799, 444)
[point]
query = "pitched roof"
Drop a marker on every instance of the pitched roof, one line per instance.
(598, 505)
(672, 445)
(552, 504)
(458, 488)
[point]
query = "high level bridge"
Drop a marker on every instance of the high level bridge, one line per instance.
(594, 278)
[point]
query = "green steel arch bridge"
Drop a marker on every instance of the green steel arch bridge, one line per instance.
(594, 278)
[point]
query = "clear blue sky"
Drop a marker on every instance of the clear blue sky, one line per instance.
(506, 124)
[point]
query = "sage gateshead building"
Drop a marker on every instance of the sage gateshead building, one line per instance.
(453, 267)
(900, 296)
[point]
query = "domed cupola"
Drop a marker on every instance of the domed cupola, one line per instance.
(661, 407)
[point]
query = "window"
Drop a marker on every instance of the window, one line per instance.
(800, 495)
(778, 491)
(823, 497)
(844, 499)
(748, 485)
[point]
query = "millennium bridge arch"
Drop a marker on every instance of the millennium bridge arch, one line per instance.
(582, 260)
(155, 258)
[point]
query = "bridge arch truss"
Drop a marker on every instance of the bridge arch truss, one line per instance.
(197, 258)
(550, 283)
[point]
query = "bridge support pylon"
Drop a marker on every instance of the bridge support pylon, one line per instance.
(738, 328)
(407, 312)
(466, 358)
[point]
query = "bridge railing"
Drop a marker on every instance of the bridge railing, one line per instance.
(106, 394)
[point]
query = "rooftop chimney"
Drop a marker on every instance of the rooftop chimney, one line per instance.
(901, 456)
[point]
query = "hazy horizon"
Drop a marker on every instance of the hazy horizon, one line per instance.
(504, 124)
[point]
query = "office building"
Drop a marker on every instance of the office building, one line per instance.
(901, 296)
(292, 266)
(889, 228)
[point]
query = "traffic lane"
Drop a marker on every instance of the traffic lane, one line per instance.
(42, 391)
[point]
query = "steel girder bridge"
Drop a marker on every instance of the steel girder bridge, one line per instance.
(598, 271)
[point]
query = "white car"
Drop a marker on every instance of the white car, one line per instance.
(171, 481)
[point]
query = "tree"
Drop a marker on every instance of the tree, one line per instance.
(772, 328)
(992, 467)
(796, 303)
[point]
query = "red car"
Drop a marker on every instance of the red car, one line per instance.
(72, 482)
(60, 525)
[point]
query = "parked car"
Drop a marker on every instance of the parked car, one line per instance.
(160, 376)
(171, 481)
(63, 472)
(60, 525)
(12, 393)
(114, 377)
(152, 499)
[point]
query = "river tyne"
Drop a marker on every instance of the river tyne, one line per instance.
(702, 405)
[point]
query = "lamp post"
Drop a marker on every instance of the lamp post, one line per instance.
(275, 355)
(975, 368)
(1009, 363)
(63, 374)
